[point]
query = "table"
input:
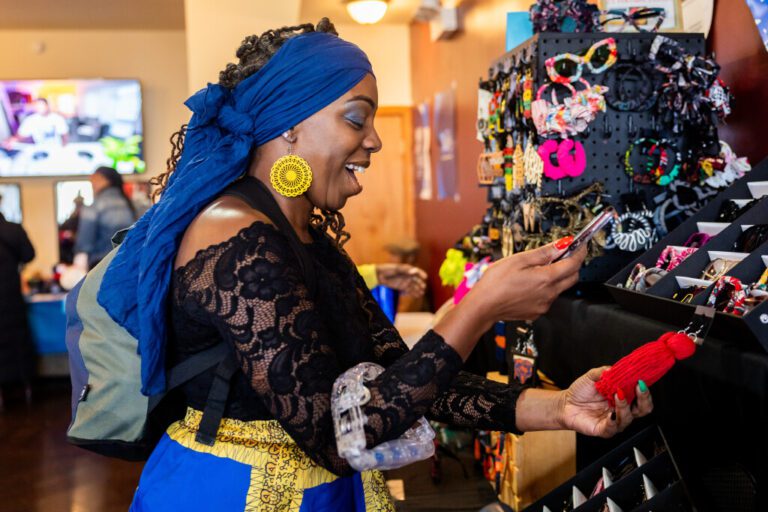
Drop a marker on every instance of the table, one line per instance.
(713, 407)
(47, 323)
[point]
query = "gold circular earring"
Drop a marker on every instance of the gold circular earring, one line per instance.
(290, 175)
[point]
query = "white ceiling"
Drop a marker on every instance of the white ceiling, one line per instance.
(92, 14)
(399, 11)
(155, 14)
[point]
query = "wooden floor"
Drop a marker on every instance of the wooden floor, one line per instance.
(40, 471)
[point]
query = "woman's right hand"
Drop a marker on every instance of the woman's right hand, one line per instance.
(524, 285)
(518, 287)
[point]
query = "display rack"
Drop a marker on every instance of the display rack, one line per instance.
(644, 477)
(656, 301)
(608, 137)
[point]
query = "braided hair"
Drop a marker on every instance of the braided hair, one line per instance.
(254, 52)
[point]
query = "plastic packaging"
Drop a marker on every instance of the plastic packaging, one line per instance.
(347, 398)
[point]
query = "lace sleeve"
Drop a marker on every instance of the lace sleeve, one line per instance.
(470, 401)
(253, 293)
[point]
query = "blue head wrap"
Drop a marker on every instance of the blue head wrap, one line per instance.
(307, 73)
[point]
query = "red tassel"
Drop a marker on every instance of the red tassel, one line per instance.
(649, 363)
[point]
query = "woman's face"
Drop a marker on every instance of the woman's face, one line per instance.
(337, 142)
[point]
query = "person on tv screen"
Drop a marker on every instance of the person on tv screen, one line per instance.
(43, 127)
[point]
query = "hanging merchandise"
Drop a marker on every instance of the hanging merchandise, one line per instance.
(657, 101)
(563, 159)
(563, 16)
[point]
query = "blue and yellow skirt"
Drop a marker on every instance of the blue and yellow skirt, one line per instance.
(252, 466)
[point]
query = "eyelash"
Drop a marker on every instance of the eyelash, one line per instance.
(355, 124)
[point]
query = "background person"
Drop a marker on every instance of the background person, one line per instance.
(16, 350)
(110, 212)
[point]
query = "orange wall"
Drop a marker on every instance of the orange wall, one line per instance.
(434, 67)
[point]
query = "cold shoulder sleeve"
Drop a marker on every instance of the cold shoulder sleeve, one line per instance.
(251, 289)
(469, 401)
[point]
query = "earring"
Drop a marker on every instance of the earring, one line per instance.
(290, 175)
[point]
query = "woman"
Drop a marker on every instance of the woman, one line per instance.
(301, 92)
(110, 212)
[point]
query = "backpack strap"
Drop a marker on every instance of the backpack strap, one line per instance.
(254, 193)
(216, 402)
(258, 197)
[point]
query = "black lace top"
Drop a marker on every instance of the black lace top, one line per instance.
(249, 290)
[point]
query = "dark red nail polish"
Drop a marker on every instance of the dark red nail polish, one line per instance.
(621, 395)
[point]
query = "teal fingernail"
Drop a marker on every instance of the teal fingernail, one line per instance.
(642, 386)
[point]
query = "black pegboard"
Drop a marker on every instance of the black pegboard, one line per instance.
(604, 155)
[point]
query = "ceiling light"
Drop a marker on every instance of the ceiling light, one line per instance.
(367, 12)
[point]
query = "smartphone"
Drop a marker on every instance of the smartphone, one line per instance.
(586, 234)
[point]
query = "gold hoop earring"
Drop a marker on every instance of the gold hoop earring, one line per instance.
(290, 175)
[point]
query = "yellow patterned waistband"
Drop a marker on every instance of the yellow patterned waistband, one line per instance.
(248, 433)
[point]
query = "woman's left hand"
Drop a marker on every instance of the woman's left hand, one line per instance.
(402, 277)
(585, 410)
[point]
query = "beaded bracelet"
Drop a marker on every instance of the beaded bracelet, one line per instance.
(651, 175)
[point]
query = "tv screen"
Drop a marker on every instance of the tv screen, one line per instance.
(10, 202)
(70, 127)
(68, 195)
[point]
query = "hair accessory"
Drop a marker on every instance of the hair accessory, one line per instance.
(552, 170)
(633, 231)
(563, 16)
(290, 175)
(752, 238)
(633, 18)
(571, 159)
(697, 240)
(558, 74)
(631, 87)
(673, 256)
(728, 296)
(348, 396)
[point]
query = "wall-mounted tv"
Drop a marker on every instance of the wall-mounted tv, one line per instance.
(10, 202)
(70, 127)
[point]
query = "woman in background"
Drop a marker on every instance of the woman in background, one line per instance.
(110, 212)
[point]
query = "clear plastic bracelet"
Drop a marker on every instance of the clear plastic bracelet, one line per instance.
(348, 396)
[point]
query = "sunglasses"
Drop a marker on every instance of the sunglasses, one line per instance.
(639, 19)
(568, 67)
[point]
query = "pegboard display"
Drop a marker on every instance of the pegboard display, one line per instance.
(610, 132)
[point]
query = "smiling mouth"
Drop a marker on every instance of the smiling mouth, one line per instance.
(353, 168)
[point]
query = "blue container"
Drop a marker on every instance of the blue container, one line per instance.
(387, 299)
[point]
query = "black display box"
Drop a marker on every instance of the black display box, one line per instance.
(627, 492)
(656, 302)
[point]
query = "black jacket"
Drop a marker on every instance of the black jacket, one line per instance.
(16, 352)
